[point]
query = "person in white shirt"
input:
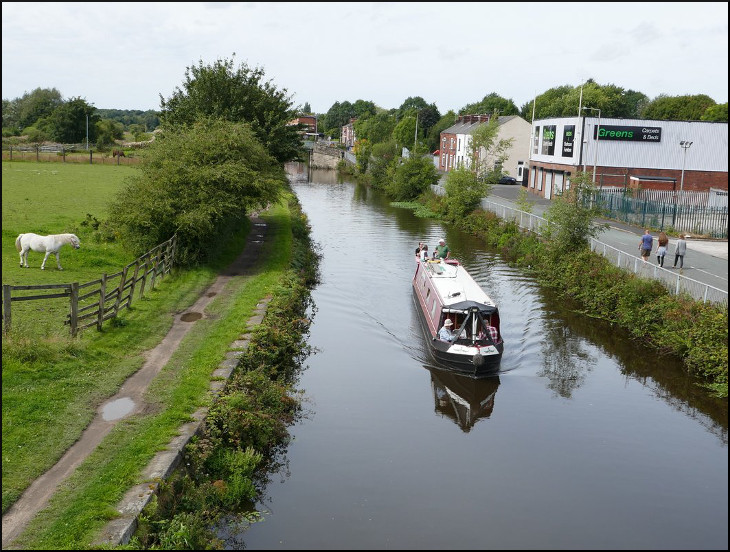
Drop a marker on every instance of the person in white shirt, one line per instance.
(445, 332)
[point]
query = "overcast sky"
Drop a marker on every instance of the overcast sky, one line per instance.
(124, 55)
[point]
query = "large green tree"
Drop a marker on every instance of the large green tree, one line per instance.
(30, 107)
(715, 113)
(71, 122)
(411, 178)
(565, 101)
(197, 181)
(678, 108)
(491, 103)
(239, 95)
(376, 128)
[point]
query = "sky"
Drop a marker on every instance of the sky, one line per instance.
(126, 55)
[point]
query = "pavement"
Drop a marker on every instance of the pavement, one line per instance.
(130, 401)
(706, 260)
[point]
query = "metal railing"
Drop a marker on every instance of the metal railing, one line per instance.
(676, 283)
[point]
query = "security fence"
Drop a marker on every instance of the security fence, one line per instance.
(699, 213)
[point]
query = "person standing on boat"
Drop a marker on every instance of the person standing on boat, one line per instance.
(442, 250)
(445, 332)
(424, 252)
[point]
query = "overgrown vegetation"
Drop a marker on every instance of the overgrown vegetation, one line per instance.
(246, 425)
(198, 182)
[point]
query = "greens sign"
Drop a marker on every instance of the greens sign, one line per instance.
(628, 133)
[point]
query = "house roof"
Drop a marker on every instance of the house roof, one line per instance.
(468, 127)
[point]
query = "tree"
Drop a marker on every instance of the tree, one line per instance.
(678, 108)
(715, 113)
(376, 128)
(410, 106)
(571, 215)
(38, 104)
(488, 153)
(490, 104)
(404, 132)
(362, 149)
(564, 101)
(383, 157)
(197, 181)
(411, 178)
(107, 131)
(464, 192)
(68, 122)
(307, 109)
(236, 94)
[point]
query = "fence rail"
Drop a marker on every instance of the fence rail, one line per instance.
(106, 296)
(675, 283)
(63, 154)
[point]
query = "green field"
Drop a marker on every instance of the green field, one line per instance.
(57, 198)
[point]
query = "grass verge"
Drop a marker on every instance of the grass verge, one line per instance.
(87, 500)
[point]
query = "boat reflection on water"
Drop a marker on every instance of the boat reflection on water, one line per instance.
(463, 399)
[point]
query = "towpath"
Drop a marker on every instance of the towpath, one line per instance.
(130, 400)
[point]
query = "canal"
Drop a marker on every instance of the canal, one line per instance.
(585, 440)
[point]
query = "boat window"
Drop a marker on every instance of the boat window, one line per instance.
(433, 310)
(428, 292)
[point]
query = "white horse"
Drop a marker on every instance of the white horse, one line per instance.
(44, 244)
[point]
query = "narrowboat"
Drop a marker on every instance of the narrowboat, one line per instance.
(446, 294)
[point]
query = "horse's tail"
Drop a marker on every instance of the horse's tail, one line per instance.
(17, 242)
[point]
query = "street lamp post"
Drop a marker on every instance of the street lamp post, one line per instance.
(685, 145)
(598, 137)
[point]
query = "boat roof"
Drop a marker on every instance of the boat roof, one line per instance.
(456, 286)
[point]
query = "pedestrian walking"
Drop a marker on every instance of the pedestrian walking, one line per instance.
(661, 250)
(680, 248)
(646, 244)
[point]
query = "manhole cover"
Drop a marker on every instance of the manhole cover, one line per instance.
(191, 316)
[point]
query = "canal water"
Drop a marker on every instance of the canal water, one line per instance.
(585, 440)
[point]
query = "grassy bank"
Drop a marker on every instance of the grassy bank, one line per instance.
(87, 500)
(52, 388)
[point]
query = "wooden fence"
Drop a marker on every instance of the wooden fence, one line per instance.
(92, 303)
(62, 155)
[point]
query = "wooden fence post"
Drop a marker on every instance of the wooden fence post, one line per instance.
(154, 268)
(63, 152)
(37, 153)
(134, 282)
(90, 157)
(74, 318)
(144, 276)
(102, 296)
(6, 307)
(119, 291)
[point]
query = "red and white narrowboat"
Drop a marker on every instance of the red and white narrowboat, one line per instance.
(443, 290)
